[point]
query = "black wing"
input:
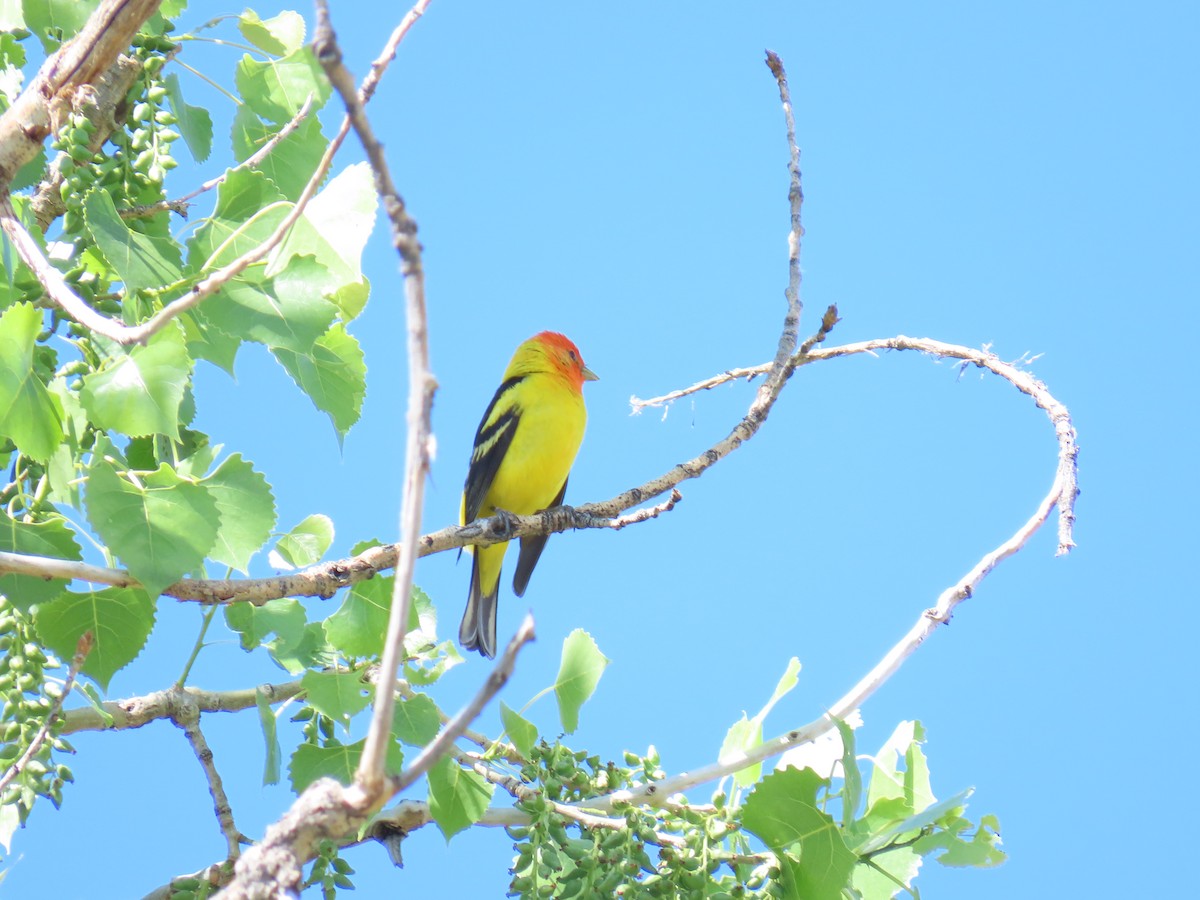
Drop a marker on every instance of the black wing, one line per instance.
(492, 441)
(531, 550)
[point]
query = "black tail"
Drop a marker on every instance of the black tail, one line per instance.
(478, 628)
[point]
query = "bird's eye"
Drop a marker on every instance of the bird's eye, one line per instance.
(574, 358)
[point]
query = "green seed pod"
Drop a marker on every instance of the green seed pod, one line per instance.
(157, 93)
(153, 64)
(165, 117)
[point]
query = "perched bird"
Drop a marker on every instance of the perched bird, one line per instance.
(523, 452)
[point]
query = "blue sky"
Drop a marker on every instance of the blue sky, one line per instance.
(1021, 176)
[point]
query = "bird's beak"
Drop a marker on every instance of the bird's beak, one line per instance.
(589, 375)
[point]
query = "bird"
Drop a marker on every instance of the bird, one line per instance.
(524, 448)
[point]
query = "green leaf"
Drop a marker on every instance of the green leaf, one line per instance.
(141, 261)
(431, 666)
(29, 413)
(339, 762)
(42, 16)
(578, 674)
(286, 311)
(279, 36)
(161, 527)
(941, 814)
(339, 695)
(207, 341)
(270, 730)
(981, 850)
(900, 867)
(852, 786)
(421, 635)
(292, 161)
(284, 617)
(334, 230)
(139, 391)
(12, 19)
(305, 544)
(248, 209)
(277, 88)
(417, 720)
(746, 734)
(247, 511)
(51, 538)
(359, 626)
(194, 122)
(521, 731)
(743, 736)
(312, 651)
(458, 798)
(782, 811)
(120, 620)
(334, 376)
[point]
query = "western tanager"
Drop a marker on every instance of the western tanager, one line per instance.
(523, 452)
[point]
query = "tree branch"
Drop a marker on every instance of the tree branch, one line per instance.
(75, 66)
(371, 773)
(134, 712)
(188, 718)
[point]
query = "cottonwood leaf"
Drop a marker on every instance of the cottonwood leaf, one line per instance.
(337, 761)
(139, 391)
(270, 730)
(292, 161)
(333, 374)
(279, 35)
(51, 538)
(417, 720)
(141, 261)
(277, 88)
(782, 811)
(458, 798)
(161, 527)
(29, 413)
(359, 626)
(246, 508)
(305, 544)
(578, 674)
(283, 617)
(521, 731)
(120, 620)
(194, 122)
(339, 695)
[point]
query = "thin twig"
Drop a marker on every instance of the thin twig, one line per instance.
(82, 648)
(371, 772)
(134, 712)
(188, 718)
(791, 326)
(655, 791)
(440, 745)
(255, 158)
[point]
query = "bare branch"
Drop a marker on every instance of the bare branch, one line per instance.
(134, 712)
(791, 324)
(655, 792)
(76, 66)
(188, 718)
(51, 279)
(418, 449)
(82, 649)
